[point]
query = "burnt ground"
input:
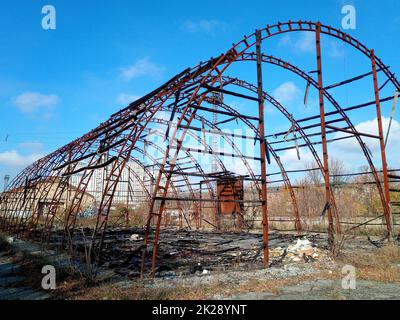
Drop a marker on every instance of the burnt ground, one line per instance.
(208, 265)
(186, 252)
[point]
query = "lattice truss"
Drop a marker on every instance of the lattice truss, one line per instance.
(161, 150)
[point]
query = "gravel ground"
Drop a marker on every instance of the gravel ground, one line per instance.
(11, 282)
(328, 290)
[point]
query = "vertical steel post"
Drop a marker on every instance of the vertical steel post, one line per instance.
(331, 232)
(386, 209)
(201, 204)
(260, 92)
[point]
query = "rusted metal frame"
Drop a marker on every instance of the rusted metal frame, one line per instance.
(24, 203)
(365, 51)
(275, 103)
(250, 125)
(232, 93)
(124, 115)
(347, 109)
(352, 132)
(13, 196)
(148, 195)
(286, 65)
(175, 191)
(61, 153)
(86, 177)
(50, 216)
(331, 229)
(182, 118)
(44, 187)
(181, 170)
(226, 121)
(311, 126)
(270, 149)
(231, 143)
(341, 83)
(34, 220)
(223, 112)
(309, 135)
(109, 191)
(295, 26)
(72, 154)
(220, 153)
(206, 200)
(76, 202)
(174, 187)
(307, 145)
(67, 146)
(119, 116)
(25, 199)
(387, 209)
(222, 133)
(193, 160)
(263, 148)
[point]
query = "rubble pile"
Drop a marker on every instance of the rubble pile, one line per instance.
(301, 251)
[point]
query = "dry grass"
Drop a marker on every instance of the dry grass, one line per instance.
(381, 264)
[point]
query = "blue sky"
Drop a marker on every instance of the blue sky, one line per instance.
(55, 85)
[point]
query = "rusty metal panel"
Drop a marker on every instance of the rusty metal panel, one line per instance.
(230, 189)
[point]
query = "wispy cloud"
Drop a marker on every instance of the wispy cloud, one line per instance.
(306, 44)
(35, 103)
(335, 49)
(211, 27)
(125, 98)
(33, 147)
(142, 67)
(13, 159)
(351, 148)
(287, 93)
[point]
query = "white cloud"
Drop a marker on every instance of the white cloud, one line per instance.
(285, 40)
(335, 49)
(291, 162)
(306, 43)
(13, 159)
(351, 148)
(208, 26)
(34, 102)
(33, 147)
(142, 67)
(287, 93)
(125, 98)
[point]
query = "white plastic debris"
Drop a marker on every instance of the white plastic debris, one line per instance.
(10, 240)
(205, 271)
(135, 237)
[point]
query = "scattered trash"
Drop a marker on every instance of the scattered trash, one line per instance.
(135, 237)
(205, 271)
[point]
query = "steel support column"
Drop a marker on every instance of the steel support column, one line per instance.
(262, 148)
(331, 232)
(386, 209)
